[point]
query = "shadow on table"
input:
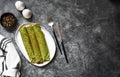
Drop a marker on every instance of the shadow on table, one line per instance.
(115, 2)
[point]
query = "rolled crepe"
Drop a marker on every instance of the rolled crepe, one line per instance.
(26, 42)
(34, 44)
(41, 42)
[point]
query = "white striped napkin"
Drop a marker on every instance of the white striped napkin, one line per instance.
(9, 58)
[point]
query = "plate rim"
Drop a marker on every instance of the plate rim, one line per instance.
(35, 64)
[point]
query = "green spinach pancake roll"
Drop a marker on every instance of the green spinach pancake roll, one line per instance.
(34, 44)
(27, 44)
(41, 42)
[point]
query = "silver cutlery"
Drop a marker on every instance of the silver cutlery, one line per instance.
(51, 24)
(61, 41)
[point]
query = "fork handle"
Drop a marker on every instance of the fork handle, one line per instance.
(57, 41)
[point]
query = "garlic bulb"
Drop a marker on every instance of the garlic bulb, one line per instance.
(19, 5)
(27, 13)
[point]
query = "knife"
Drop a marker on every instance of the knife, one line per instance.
(61, 41)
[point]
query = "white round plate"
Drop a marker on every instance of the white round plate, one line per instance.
(50, 44)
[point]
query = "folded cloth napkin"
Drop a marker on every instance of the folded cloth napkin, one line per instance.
(9, 58)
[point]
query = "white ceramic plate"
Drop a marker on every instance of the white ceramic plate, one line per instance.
(49, 40)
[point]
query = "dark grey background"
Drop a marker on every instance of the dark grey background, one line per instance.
(91, 34)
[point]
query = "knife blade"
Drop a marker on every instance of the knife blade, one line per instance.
(61, 41)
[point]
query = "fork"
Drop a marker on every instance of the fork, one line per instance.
(51, 24)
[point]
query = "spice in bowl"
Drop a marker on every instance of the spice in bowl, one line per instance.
(8, 20)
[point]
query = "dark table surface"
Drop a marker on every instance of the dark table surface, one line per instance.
(91, 34)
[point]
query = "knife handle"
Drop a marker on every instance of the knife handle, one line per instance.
(57, 41)
(64, 52)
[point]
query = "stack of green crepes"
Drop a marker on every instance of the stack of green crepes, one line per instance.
(35, 43)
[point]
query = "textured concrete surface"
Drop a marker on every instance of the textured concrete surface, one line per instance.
(90, 30)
